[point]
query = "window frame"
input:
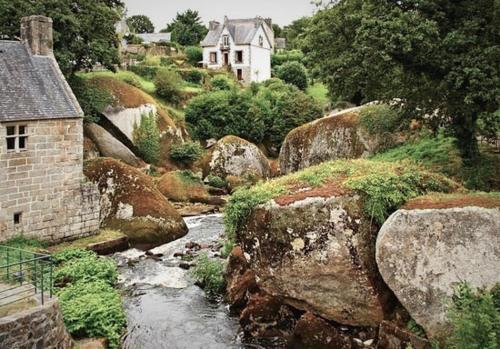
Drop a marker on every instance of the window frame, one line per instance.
(16, 136)
(236, 60)
(225, 40)
(261, 41)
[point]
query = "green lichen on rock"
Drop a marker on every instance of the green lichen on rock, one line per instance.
(383, 186)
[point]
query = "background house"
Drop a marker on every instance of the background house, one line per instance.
(242, 45)
(43, 193)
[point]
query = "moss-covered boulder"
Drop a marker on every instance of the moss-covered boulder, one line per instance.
(131, 203)
(310, 236)
(184, 186)
(425, 250)
(235, 157)
(337, 136)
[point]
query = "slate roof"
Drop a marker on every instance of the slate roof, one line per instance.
(155, 37)
(241, 30)
(33, 87)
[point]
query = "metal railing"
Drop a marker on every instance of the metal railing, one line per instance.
(24, 274)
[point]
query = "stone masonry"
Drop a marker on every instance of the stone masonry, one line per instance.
(45, 184)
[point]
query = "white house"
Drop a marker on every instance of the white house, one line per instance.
(242, 45)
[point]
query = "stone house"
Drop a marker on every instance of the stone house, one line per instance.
(243, 46)
(43, 192)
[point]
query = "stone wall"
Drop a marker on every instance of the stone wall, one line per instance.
(40, 327)
(45, 183)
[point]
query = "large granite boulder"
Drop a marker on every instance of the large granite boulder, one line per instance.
(337, 136)
(131, 203)
(426, 249)
(236, 157)
(109, 146)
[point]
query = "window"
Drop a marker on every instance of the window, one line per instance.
(239, 74)
(17, 137)
(225, 40)
(238, 56)
(213, 57)
(17, 218)
(261, 41)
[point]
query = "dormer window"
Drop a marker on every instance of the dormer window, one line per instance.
(261, 41)
(17, 137)
(225, 40)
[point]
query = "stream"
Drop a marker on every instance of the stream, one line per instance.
(165, 309)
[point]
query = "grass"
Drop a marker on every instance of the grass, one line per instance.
(125, 76)
(209, 274)
(383, 186)
(319, 92)
(102, 236)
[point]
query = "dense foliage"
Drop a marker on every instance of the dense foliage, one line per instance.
(140, 24)
(187, 152)
(187, 28)
(475, 316)
(84, 32)
(383, 186)
(147, 138)
(440, 58)
(194, 55)
(168, 85)
(294, 33)
(209, 274)
(222, 83)
(263, 113)
(93, 100)
(90, 304)
(293, 73)
(278, 59)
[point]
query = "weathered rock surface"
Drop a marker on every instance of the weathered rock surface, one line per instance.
(316, 250)
(391, 336)
(240, 279)
(128, 118)
(337, 136)
(131, 203)
(109, 146)
(90, 150)
(424, 253)
(233, 156)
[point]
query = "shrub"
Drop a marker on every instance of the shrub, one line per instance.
(222, 83)
(92, 99)
(209, 274)
(293, 73)
(194, 76)
(132, 80)
(168, 85)
(288, 56)
(86, 269)
(194, 55)
(147, 138)
(147, 72)
(72, 253)
(93, 309)
(166, 61)
(133, 39)
(187, 152)
(380, 119)
(152, 61)
(216, 181)
(475, 317)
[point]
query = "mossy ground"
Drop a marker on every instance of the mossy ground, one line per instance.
(103, 236)
(384, 187)
(438, 200)
(182, 186)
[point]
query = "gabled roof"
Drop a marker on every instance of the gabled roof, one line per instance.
(241, 30)
(33, 87)
(155, 37)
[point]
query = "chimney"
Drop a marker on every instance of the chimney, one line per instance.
(269, 22)
(36, 34)
(212, 25)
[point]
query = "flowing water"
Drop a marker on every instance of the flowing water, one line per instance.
(164, 307)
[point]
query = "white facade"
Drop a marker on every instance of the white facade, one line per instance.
(249, 59)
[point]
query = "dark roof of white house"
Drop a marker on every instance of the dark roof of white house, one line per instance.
(33, 87)
(241, 30)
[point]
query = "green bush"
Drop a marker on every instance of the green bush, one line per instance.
(166, 61)
(293, 73)
(147, 72)
(168, 85)
(92, 99)
(86, 269)
(133, 39)
(222, 83)
(132, 80)
(209, 274)
(93, 309)
(72, 253)
(194, 55)
(288, 56)
(216, 181)
(475, 317)
(380, 119)
(187, 152)
(194, 76)
(147, 138)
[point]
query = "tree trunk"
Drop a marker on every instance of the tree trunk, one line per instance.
(465, 131)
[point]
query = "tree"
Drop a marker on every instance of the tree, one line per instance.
(140, 24)
(84, 31)
(187, 28)
(293, 73)
(194, 55)
(147, 138)
(277, 30)
(440, 58)
(294, 33)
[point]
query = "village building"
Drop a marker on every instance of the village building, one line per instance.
(43, 192)
(243, 46)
